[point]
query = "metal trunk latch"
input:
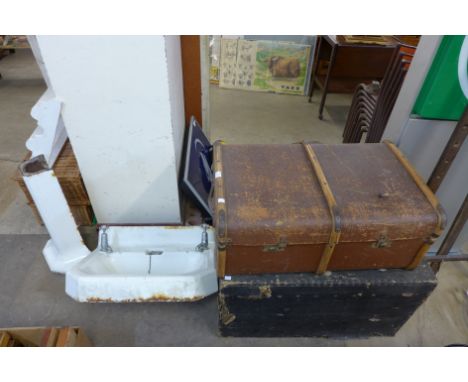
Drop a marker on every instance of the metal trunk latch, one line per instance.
(382, 242)
(278, 247)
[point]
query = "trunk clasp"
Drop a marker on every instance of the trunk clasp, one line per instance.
(278, 247)
(382, 242)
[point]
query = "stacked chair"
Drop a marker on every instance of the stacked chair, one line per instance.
(373, 103)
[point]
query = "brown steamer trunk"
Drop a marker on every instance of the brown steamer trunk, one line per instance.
(314, 207)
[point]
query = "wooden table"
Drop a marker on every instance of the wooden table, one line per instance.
(340, 66)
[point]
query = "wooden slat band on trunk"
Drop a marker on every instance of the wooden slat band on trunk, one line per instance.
(332, 206)
(441, 218)
(220, 209)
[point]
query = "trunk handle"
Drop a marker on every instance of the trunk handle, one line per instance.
(332, 207)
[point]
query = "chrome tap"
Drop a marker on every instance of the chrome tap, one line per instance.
(204, 239)
(104, 247)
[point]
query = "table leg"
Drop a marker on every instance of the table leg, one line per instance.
(327, 80)
(314, 69)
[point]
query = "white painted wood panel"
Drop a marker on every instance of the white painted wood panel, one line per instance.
(123, 110)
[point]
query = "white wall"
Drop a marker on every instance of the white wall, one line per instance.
(123, 110)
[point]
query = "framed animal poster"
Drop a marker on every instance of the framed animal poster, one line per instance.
(281, 67)
(270, 66)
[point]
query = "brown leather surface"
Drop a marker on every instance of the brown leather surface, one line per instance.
(364, 256)
(375, 194)
(272, 196)
(244, 260)
(271, 191)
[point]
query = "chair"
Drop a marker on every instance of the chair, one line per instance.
(373, 103)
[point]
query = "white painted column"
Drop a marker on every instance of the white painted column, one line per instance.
(65, 247)
(122, 106)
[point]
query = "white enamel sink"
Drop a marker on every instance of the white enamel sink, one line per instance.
(147, 263)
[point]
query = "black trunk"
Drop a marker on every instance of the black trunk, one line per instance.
(341, 304)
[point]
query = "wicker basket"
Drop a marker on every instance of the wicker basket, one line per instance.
(69, 177)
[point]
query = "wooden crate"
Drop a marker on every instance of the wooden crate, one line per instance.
(69, 177)
(44, 337)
